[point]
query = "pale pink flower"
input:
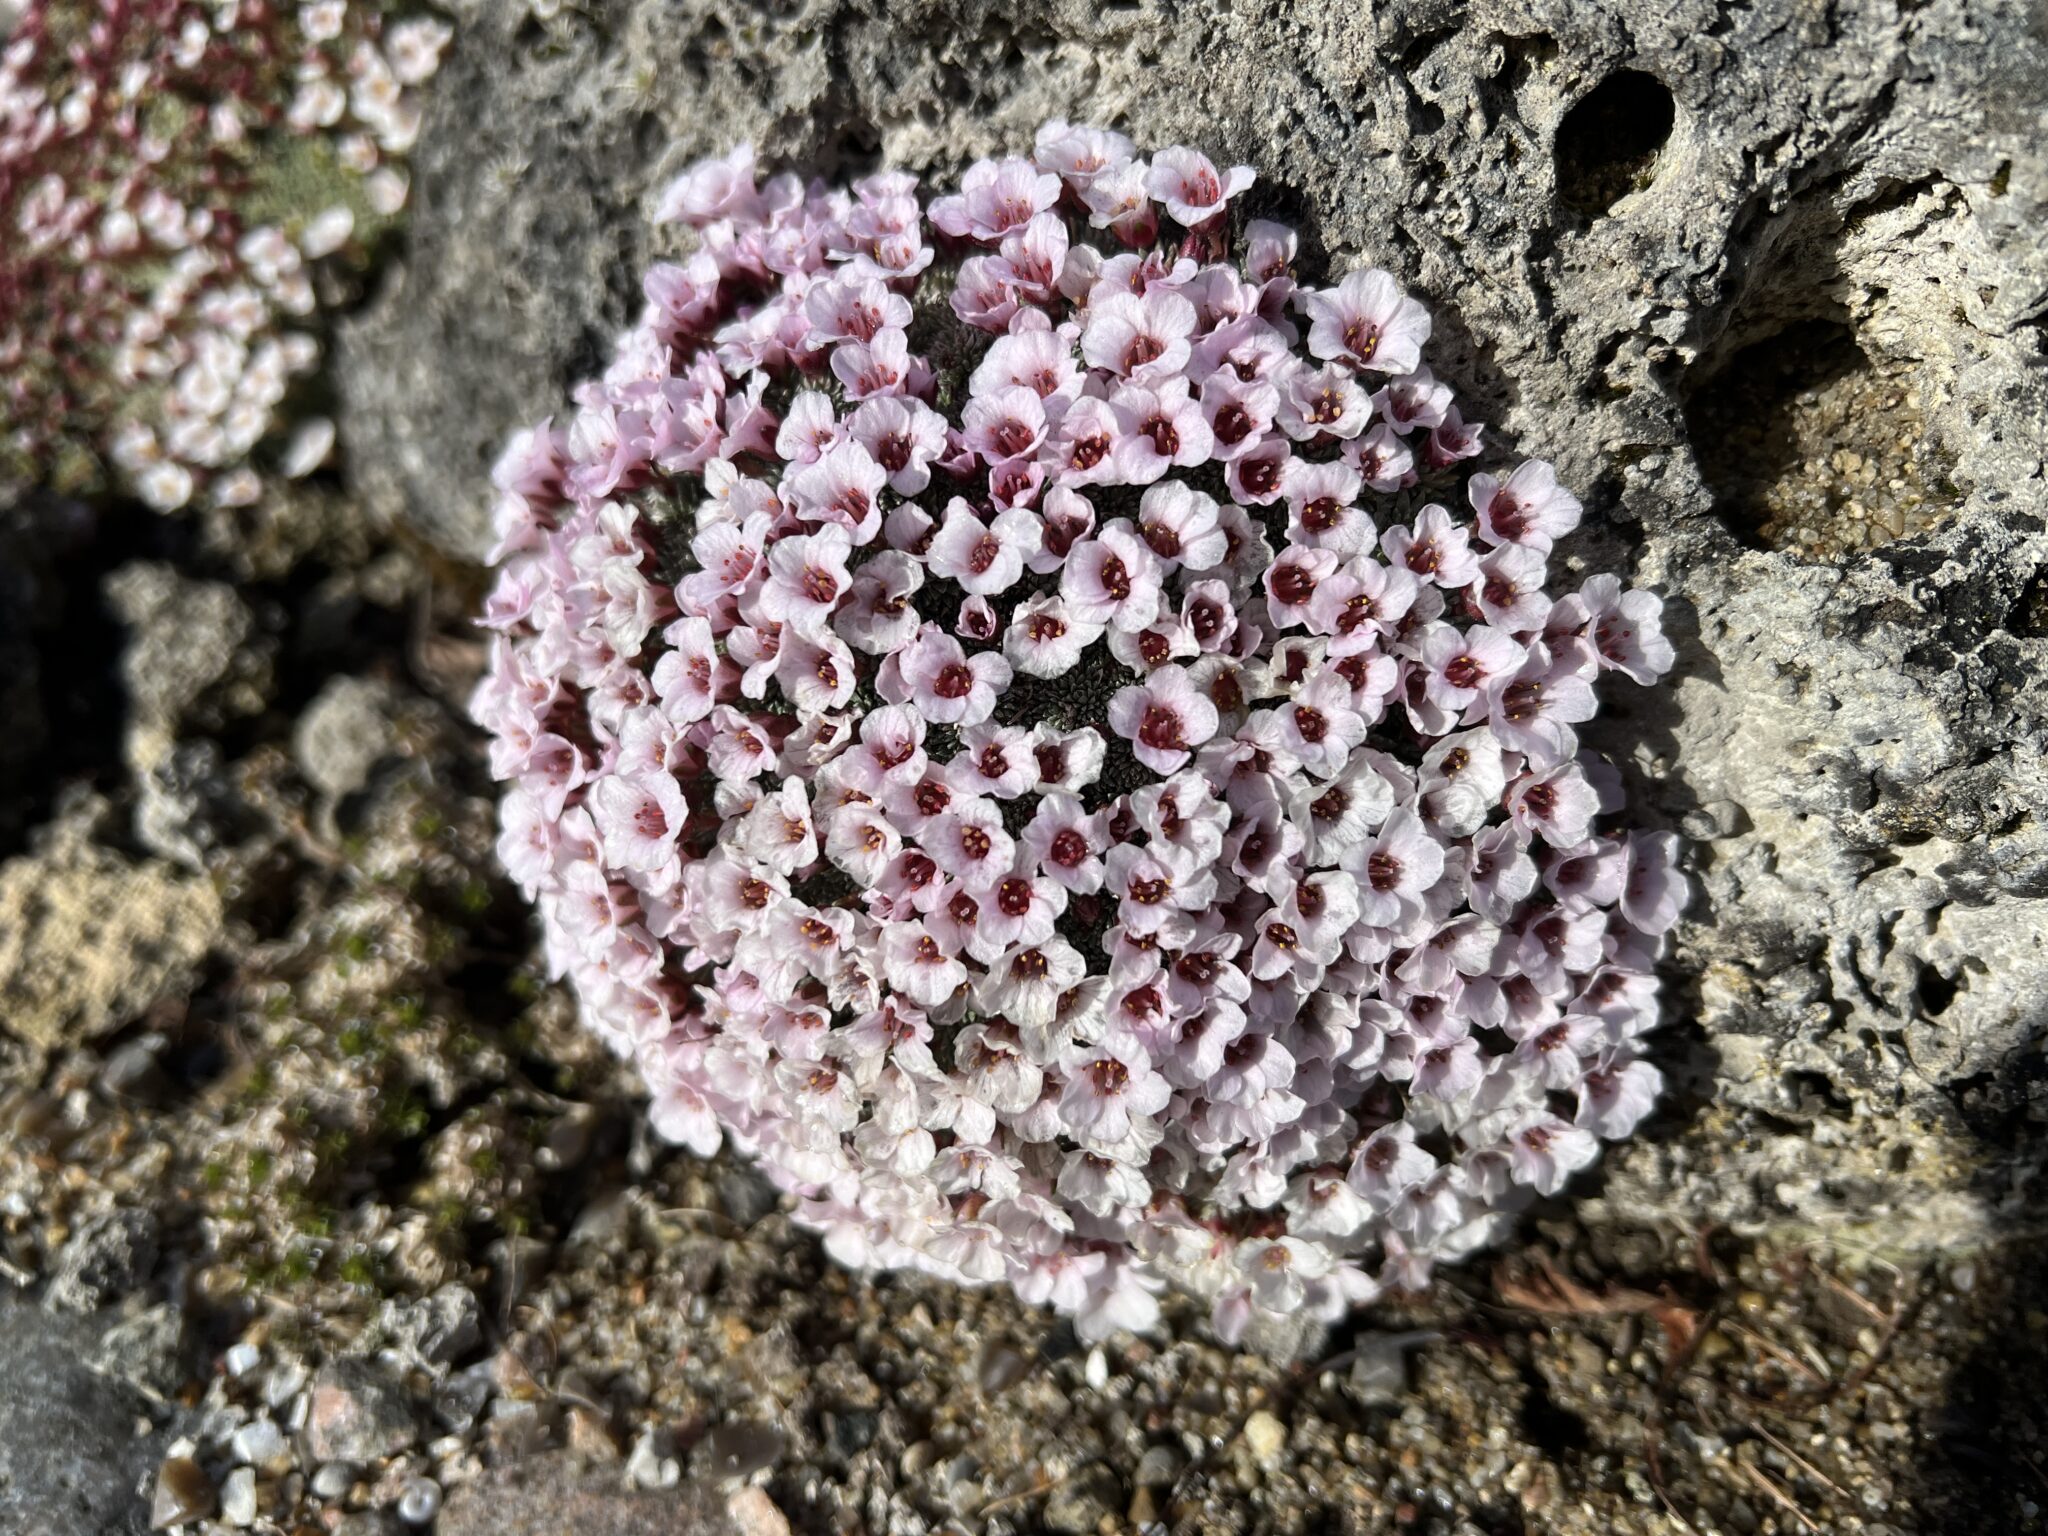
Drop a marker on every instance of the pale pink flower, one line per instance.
(713, 189)
(1044, 639)
(1164, 719)
(639, 818)
(1079, 153)
(1041, 361)
(1323, 510)
(1188, 185)
(1367, 321)
(1113, 579)
(1005, 424)
(995, 197)
(983, 557)
(1181, 527)
(1158, 430)
(1435, 549)
(1140, 337)
(878, 616)
(807, 578)
(942, 681)
(840, 487)
(902, 435)
(1529, 507)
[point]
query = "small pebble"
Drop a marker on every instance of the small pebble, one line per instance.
(420, 1501)
(183, 1493)
(646, 1467)
(1001, 1368)
(260, 1443)
(242, 1359)
(333, 1480)
(1158, 1467)
(740, 1449)
(1266, 1436)
(286, 1377)
(589, 1436)
(1096, 1371)
(238, 1497)
(753, 1513)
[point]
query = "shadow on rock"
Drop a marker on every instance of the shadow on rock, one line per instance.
(1983, 1466)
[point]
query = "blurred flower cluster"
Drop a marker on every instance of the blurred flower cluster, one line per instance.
(170, 172)
(1016, 718)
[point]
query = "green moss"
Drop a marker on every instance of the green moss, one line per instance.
(256, 1089)
(360, 1270)
(292, 179)
(402, 1115)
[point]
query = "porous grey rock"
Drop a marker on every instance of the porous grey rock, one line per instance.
(70, 1458)
(433, 1330)
(150, 1348)
(90, 939)
(1763, 281)
(342, 735)
(109, 1254)
(194, 657)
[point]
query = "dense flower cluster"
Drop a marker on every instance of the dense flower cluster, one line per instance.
(169, 172)
(998, 727)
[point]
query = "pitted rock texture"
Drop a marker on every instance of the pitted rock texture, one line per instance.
(1762, 282)
(90, 939)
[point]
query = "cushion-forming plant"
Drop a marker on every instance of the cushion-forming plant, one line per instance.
(1014, 721)
(170, 173)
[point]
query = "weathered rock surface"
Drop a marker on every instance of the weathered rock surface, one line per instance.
(342, 734)
(89, 939)
(188, 660)
(1762, 281)
(70, 1459)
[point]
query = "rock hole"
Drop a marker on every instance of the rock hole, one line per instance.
(1935, 992)
(1812, 448)
(1817, 1096)
(1548, 1423)
(1608, 143)
(2028, 619)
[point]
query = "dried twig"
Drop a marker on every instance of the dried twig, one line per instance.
(1804, 1465)
(1021, 1496)
(1777, 1494)
(1777, 1352)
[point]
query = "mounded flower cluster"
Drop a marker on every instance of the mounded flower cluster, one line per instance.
(156, 263)
(998, 727)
